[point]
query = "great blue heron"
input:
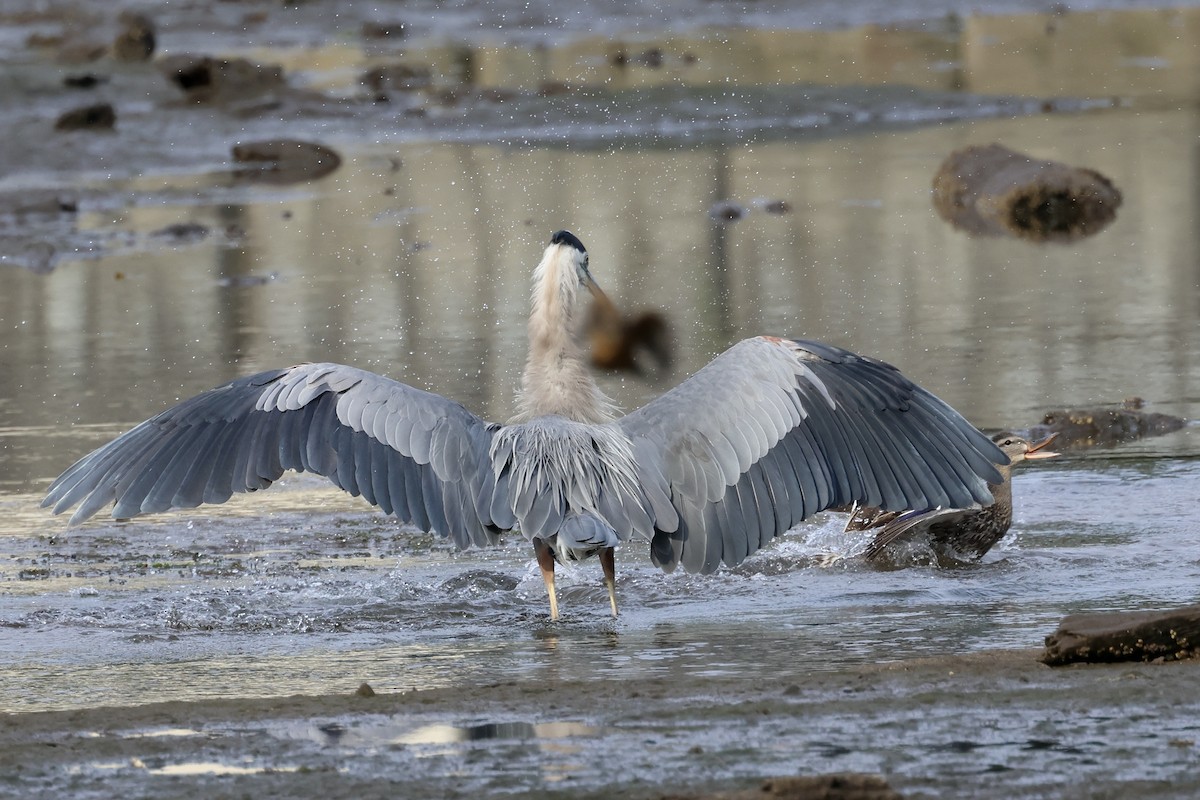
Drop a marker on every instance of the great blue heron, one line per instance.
(956, 532)
(767, 434)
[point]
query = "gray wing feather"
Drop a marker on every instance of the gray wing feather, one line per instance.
(761, 516)
(782, 492)
(498, 506)
(905, 524)
(416, 497)
(894, 481)
(416, 455)
(773, 431)
(811, 472)
(649, 458)
(729, 519)
(763, 505)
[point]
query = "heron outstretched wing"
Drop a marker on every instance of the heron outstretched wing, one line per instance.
(414, 454)
(774, 430)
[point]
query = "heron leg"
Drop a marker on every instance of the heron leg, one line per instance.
(608, 563)
(545, 559)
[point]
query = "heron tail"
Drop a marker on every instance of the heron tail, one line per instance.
(583, 535)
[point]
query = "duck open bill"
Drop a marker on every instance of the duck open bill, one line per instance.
(1036, 451)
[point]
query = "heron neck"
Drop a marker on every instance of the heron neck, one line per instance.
(557, 380)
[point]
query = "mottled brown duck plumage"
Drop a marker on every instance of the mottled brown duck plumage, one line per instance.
(963, 533)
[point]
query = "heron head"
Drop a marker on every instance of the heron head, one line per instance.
(573, 252)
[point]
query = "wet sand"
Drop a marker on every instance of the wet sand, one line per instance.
(346, 744)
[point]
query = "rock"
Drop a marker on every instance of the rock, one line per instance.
(204, 79)
(36, 256)
(285, 160)
(774, 206)
(37, 202)
(135, 41)
(727, 211)
(96, 117)
(1104, 427)
(555, 89)
(384, 30)
(182, 233)
(397, 77)
(992, 190)
(86, 80)
(1127, 636)
(652, 58)
(80, 51)
(227, 281)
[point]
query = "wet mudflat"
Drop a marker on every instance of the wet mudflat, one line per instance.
(991, 722)
(225, 645)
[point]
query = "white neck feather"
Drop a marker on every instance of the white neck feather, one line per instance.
(557, 380)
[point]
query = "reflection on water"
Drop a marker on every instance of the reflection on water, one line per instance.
(1002, 330)
(1125, 53)
(442, 734)
(414, 259)
(164, 732)
(191, 768)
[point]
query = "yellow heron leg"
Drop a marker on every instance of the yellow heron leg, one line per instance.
(545, 559)
(608, 563)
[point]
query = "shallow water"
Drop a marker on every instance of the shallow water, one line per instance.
(413, 260)
(303, 598)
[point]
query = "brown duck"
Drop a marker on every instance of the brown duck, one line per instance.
(963, 533)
